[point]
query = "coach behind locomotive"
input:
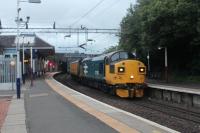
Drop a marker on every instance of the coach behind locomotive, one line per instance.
(117, 72)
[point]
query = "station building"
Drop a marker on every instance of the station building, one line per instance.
(40, 50)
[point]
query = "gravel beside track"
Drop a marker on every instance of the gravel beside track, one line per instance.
(176, 118)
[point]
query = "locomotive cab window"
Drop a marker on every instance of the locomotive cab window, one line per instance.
(115, 57)
(131, 56)
(121, 56)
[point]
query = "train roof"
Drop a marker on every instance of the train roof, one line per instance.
(100, 57)
(86, 59)
(103, 56)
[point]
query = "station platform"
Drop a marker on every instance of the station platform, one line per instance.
(117, 119)
(49, 107)
(48, 112)
(184, 94)
(176, 87)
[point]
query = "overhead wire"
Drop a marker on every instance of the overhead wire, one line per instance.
(110, 6)
(101, 1)
(105, 37)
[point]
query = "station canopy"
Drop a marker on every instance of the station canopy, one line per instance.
(27, 40)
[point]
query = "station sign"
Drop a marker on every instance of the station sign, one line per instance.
(27, 41)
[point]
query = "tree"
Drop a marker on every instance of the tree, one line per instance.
(174, 24)
(111, 49)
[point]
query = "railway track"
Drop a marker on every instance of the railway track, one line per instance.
(171, 110)
(176, 117)
(181, 113)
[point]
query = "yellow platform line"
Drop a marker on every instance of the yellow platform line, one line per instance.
(113, 123)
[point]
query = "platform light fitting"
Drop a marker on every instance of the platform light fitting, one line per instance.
(34, 1)
(12, 63)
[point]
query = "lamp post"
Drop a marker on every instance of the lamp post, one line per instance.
(31, 51)
(17, 50)
(18, 21)
(23, 58)
(166, 63)
(148, 59)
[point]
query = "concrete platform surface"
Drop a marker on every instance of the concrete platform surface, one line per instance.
(125, 119)
(43, 110)
(16, 119)
(48, 112)
(175, 88)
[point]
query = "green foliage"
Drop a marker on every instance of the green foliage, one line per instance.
(174, 24)
(111, 49)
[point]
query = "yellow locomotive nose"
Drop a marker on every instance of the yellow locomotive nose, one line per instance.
(126, 72)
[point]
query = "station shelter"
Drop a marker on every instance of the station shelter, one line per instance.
(33, 53)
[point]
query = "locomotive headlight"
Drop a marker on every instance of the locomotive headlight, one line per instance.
(132, 77)
(121, 69)
(141, 69)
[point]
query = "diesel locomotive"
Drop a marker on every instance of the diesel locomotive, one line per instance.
(117, 72)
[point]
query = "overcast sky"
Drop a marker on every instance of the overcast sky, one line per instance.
(65, 12)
